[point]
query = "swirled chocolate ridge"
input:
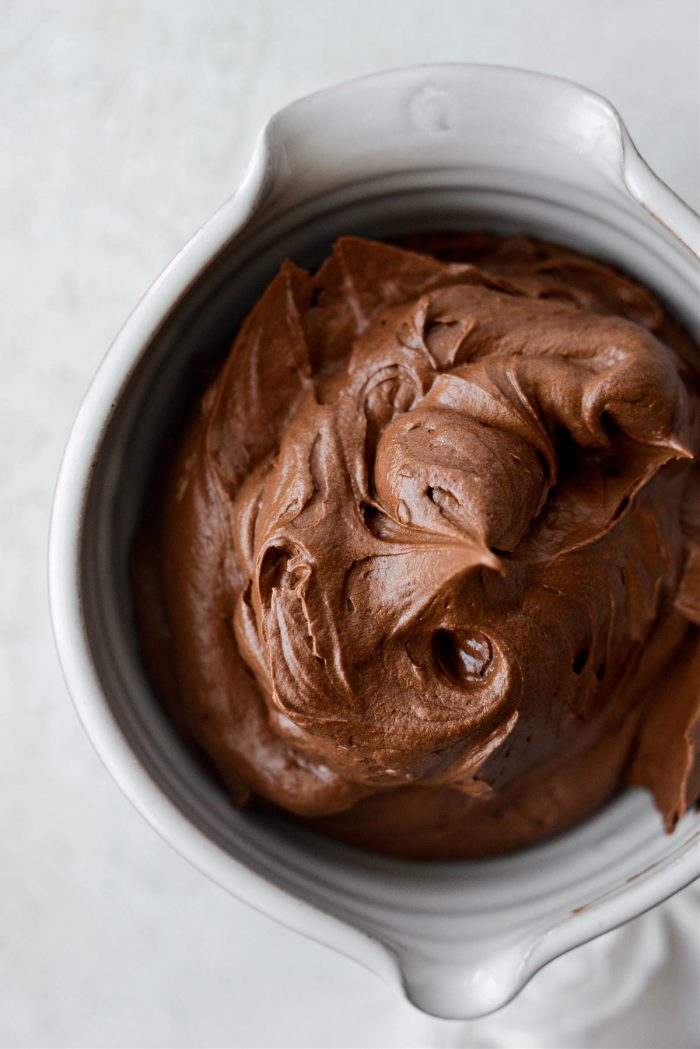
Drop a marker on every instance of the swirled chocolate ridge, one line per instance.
(426, 571)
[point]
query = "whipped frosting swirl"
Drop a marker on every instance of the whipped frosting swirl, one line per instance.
(428, 557)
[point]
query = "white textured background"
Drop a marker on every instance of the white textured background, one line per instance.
(123, 124)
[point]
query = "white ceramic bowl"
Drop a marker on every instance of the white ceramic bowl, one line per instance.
(428, 147)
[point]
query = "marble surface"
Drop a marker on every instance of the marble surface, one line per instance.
(124, 124)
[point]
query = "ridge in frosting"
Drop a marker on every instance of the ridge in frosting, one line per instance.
(426, 569)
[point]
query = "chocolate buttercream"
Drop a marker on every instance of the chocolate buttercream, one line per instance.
(426, 569)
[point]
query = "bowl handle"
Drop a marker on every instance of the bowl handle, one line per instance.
(657, 198)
